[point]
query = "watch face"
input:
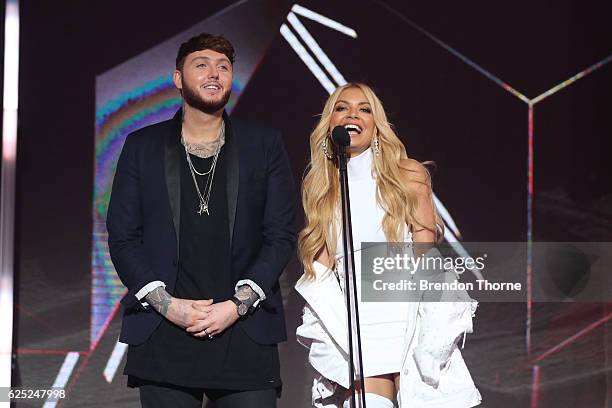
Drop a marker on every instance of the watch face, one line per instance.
(242, 309)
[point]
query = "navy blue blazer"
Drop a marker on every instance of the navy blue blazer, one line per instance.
(144, 217)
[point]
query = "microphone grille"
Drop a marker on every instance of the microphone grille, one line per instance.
(340, 136)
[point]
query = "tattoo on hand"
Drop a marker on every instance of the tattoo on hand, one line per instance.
(160, 300)
(247, 295)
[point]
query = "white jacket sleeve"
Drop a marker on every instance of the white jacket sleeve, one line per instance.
(326, 358)
(325, 355)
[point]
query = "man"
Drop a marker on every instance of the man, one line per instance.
(201, 223)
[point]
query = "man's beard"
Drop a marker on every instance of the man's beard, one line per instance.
(193, 99)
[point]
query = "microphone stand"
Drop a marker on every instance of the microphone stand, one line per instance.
(350, 286)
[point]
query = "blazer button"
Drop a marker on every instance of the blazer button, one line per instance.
(174, 262)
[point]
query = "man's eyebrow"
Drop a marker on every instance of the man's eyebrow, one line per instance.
(222, 59)
(360, 103)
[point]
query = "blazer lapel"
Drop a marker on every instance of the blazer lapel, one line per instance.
(233, 172)
(172, 164)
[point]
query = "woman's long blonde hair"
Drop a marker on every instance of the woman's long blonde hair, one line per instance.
(321, 188)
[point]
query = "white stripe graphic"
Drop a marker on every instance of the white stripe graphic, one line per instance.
(448, 220)
(114, 360)
(307, 59)
(328, 22)
(316, 49)
(64, 374)
(7, 188)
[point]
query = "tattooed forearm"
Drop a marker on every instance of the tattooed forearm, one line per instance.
(247, 295)
(160, 300)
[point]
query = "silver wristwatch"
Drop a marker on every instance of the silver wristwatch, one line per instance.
(242, 307)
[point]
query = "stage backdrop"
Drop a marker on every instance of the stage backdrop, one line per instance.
(514, 123)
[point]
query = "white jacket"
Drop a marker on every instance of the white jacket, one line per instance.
(324, 332)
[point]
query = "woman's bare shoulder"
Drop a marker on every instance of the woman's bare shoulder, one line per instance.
(414, 174)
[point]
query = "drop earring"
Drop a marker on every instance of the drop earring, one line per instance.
(326, 151)
(376, 145)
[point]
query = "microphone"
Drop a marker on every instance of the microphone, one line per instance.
(340, 136)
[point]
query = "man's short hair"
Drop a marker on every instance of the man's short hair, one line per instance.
(201, 42)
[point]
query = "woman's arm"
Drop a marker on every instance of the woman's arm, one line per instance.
(418, 183)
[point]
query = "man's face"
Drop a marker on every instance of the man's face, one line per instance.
(206, 80)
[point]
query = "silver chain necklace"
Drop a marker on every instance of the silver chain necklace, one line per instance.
(203, 151)
(204, 199)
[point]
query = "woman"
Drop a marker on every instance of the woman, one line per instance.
(407, 354)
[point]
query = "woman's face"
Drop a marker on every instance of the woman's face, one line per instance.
(353, 111)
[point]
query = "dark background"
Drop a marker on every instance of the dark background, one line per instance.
(444, 110)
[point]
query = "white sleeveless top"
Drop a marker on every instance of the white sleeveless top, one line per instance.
(382, 324)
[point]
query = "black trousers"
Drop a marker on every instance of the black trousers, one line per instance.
(169, 396)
